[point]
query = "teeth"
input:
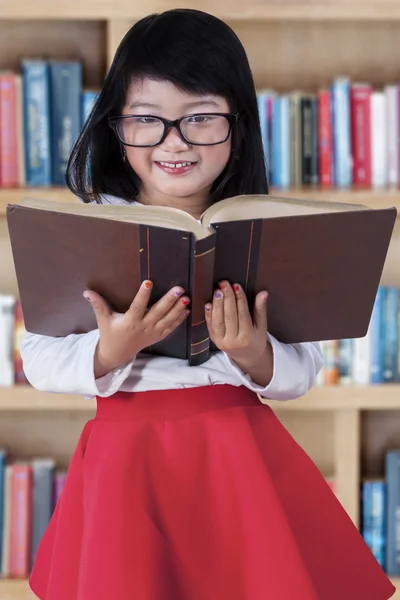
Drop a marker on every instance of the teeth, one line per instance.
(175, 166)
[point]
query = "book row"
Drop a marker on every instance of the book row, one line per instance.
(42, 111)
(373, 359)
(29, 492)
(342, 136)
(380, 514)
(12, 328)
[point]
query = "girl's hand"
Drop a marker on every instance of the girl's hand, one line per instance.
(123, 335)
(231, 327)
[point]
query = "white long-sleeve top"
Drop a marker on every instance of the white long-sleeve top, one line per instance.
(66, 365)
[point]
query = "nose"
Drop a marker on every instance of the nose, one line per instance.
(174, 141)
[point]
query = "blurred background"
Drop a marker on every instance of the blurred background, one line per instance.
(327, 75)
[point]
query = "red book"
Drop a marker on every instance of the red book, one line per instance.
(360, 107)
(8, 131)
(325, 141)
(21, 520)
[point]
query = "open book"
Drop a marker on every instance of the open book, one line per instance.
(321, 263)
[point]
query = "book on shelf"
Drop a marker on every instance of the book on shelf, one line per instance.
(321, 263)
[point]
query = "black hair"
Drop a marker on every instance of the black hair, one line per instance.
(199, 54)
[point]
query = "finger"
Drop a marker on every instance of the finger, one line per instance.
(244, 317)
(230, 310)
(138, 307)
(208, 318)
(176, 315)
(260, 311)
(217, 315)
(101, 309)
(164, 305)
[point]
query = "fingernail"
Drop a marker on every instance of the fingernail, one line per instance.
(178, 292)
(218, 295)
(265, 297)
(236, 287)
(208, 307)
(222, 285)
(186, 313)
(85, 295)
(185, 301)
(148, 285)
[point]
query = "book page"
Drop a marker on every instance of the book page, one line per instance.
(264, 206)
(158, 216)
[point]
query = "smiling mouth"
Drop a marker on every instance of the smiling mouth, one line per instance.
(175, 165)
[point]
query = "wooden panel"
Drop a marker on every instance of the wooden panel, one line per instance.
(347, 460)
(314, 432)
(256, 9)
(15, 590)
(308, 55)
(116, 29)
(380, 433)
(75, 40)
(41, 434)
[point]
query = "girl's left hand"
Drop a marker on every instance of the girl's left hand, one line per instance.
(230, 326)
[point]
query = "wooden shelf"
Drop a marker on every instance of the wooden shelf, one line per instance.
(370, 198)
(328, 398)
(228, 9)
(19, 590)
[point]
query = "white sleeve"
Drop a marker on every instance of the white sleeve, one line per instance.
(66, 365)
(295, 369)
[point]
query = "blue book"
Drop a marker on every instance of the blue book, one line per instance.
(36, 108)
(377, 338)
(392, 476)
(280, 142)
(88, 99)
(262, 114)
(65, 94)
(342, 132)
(373, 516)
(390, 333)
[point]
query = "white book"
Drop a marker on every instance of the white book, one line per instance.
(5, 566)
(362, 359)
(392, 124)
(7, 305)
(379, 143)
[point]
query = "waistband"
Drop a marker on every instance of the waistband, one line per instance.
(182, 402)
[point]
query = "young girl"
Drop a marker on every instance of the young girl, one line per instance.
(185, 486)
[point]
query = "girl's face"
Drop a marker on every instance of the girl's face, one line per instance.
(188, 185)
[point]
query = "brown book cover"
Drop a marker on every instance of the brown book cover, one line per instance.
(321, 263)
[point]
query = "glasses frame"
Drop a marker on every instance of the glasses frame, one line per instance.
(232, 119)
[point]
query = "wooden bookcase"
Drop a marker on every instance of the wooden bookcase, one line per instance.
(291, 44)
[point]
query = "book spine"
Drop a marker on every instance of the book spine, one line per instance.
(88, 99)
(360, 99)
(341, 95)
(285, 143)
(65, 102)
(306, 139)
(376, 338)
(7, 303)
(325, 138)
(373, 501)
(378, 140)
(36, 122)
(41, 501)
(5, 561)
(8, 131)
(201, 285)
(262, 114)
(390, 333)
(314, 142)
(345, 361)
(58, 486)
(21, 520)
(391, 127)
(3, 455)
(392, 476)
(19, 332)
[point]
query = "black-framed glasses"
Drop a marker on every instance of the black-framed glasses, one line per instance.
(145, 131)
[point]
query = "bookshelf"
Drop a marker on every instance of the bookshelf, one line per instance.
(291, 44)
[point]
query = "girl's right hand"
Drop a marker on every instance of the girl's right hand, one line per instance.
(123, 335)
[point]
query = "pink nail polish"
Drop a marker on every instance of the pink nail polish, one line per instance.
(208, 307)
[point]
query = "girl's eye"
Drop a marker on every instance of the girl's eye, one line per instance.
(200, 119)
(146, 120)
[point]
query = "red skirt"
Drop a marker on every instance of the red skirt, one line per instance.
(199, 494)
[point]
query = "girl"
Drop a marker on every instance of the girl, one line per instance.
(185, 486)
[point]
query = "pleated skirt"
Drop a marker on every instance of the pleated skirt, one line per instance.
(199, 494)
